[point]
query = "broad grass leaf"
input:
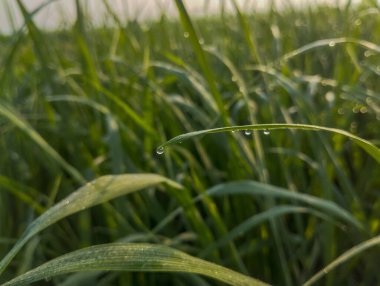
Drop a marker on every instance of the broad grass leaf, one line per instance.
(93, 193)
(132, 257)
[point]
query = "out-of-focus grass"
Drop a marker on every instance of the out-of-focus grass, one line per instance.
(85, 102)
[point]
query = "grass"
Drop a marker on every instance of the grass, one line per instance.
(240, 205)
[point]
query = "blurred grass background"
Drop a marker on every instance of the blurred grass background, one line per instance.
(87, 101)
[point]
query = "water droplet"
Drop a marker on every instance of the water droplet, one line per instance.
(363, 109)
(248, 132)
(160, 150)
(186, 34)
(332, 44)
(341, 111)
(356, 109)
(266, 132)
(201, 41)
(330, 96)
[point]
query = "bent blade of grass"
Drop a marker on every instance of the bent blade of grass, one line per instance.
(269, 191)
(356, 250)
(256, 188)
(367, 146)
(93, 193)
(132, 257)
(257, 220)
(330, 42)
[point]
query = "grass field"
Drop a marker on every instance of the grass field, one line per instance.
(289, 187)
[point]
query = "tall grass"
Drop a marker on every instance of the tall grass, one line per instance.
(278, 206)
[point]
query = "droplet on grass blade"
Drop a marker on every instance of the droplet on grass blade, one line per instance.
(266, 132)
(186, 34)
(248, 132)
(332, 44)
(160, 150)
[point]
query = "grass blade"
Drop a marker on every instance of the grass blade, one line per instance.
(200, 55)
(329, 42)
(132, 257)
(367, 146)
(256, 188)
(25, 127)
(257, 220)
(356, 250)
(96, 192)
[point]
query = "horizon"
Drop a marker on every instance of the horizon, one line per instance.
(58, 14)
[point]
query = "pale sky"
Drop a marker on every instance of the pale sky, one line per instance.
(63, 11)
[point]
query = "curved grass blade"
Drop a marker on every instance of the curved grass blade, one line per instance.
(356, 250)
(256, 220)
(96, 192)
(330, 42)
(259, 189)
(132, 257)
(367, 146)
(255, 188)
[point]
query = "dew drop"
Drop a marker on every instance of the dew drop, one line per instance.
(186, 34)
(363, 109)
(248, 132)
(266, 132)
(201, 41)
(358, 22)
(330, 96)
(160, 150)
(332, 44)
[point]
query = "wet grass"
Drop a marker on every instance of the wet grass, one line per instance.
(278, 206)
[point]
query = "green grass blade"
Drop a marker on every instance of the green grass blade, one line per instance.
(330, 42)
(21, 192)
(256, 188)
(96, 192)
(24, 126)
(201, 56)
(132, 257)
(356, 250)
(367, 146)
(257, 220)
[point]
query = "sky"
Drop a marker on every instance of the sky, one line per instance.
(62, 12)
